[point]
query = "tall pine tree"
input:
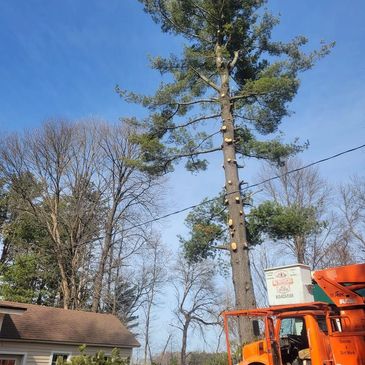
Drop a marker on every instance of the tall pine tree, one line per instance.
(230, 78)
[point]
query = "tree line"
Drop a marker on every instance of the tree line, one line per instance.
(70, 199)
(68, 202)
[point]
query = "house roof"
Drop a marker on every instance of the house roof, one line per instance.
(10, 309)
(48, 324)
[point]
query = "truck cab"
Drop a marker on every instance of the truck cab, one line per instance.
(296, 335)
(316, 333)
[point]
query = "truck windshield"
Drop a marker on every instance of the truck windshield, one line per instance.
(291, 326)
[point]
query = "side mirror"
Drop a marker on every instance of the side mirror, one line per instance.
(256, 328)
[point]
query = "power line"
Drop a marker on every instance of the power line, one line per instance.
(248, 187)
(305, 167)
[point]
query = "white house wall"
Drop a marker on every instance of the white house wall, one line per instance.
(41, 353)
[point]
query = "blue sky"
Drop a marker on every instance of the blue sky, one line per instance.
(64, 58)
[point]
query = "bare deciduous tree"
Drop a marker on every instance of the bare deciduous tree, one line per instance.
(127, 193)
(353, 213)
(56, 162)
(74, 179)
(154, 274)
(135, 275)
(329, 246)
(197, 299)
(263, 257)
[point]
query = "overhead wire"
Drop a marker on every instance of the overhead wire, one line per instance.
(246, 187)
(305, 166)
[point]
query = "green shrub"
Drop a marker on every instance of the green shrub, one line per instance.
(96, 359)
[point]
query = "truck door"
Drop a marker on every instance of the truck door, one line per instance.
(294, 342)
(272, 343)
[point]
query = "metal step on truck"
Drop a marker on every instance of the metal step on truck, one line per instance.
(313, 318)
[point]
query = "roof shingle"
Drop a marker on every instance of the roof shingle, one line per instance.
(48, 324)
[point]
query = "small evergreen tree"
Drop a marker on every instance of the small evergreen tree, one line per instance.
(123, 302)
(292, 222)
(27, 268)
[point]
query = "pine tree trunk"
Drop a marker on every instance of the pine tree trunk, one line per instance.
(240, 261)
(299, 245)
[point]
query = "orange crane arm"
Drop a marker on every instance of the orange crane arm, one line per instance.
(341, 283)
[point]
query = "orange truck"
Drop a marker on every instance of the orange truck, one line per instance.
(312, 333)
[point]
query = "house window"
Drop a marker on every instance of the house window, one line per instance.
(7, 361)
(11, 359)
(56, 355)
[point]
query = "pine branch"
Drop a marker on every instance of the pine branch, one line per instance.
(187, 103)
(202, 10)
(205, 139)
(188, 33)
(248, 95)
(173, 113)
(191, 154)
(234, 61)
(221, 247)
(236, 115)
(194, 153)
(206, 80)
(193, 121)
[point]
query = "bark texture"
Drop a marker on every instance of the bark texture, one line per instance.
(240, 260)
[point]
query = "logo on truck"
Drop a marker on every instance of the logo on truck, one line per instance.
(282, 283)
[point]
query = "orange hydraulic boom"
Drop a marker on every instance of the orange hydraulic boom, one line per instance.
(315, 333)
